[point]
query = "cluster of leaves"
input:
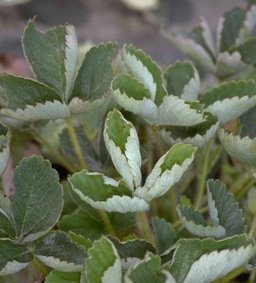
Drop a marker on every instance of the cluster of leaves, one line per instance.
(127, 131)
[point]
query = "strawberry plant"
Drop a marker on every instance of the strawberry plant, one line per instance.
(144, 173)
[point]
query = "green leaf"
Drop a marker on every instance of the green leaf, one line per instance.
(229, 28)
(229, 64)
(164, 234)
(197, 135)
(63, 277)
(195, 223)
(122, 143)
(103, 264)
(248, 124)
(243, 149)
(223, 209)
(246, 49)
(36, 184)
(148, 271)
(183, 80)
(53, 56)
(136, 248)
(81, 223)
(4, 147)
(146, 71)
(87, 148)
(14, 257)
(95, 74)
(59, 252)
(206, 260)
(230, 100)
(167, 171)
(203, 36)
(21, 92)
(192, 49)
(6, 216)
(105, 193)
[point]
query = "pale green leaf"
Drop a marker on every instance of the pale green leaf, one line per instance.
(167, 171)
(63, 277)
(192, 49)
(146, 71)
(59, 252)
(14, 257)
(197, 135)
(243, 149)
(230, 26)
(95, 74)
(148, 270)
(105, 193)
(37, 201)
(122, 143)
(223, 209)
(230, 100)
(103, 264)
(203, 261)
(183, 80)
(53, 56)
(164, 234)
(176, 112)
(228, 64)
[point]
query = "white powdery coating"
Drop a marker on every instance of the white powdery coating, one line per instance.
(169, 277)
(244, 149)
(78, 105)
(141, 5)
(122, 204)
(228, 64)
(197, 140)
(120, 161)
(158, 183)
(217, 264)
(207, 35)
(132, 152)
(249, 24)
(71, 59)
(57, 264)
(192, 88)
(140, 72)
(113, 274)
(202, 231)
(12, 267)
(231, 108)
(47, 111)
(174, 111)
(192, 49)
(144, 108)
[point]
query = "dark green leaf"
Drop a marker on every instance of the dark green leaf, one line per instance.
(164, 234)
(63, 277)
(233, 22)
(14, 257)
(248, 124)
(95, 75)
(37, 201)
(247, 51)
(6, 217)
(21, 92)
(223, 208)
(82, 224)
(58, 251)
